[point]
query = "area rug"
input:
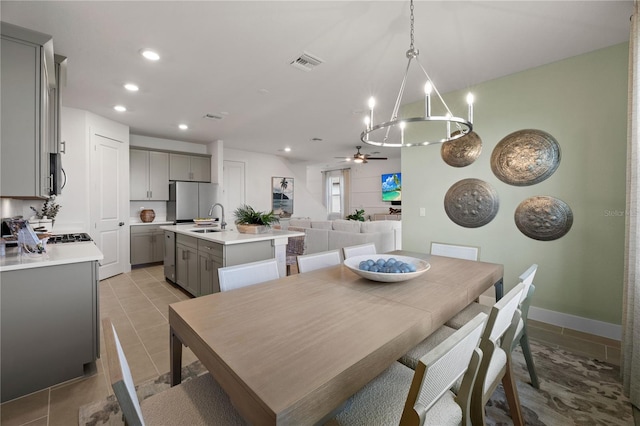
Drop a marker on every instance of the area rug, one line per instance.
(574, 390)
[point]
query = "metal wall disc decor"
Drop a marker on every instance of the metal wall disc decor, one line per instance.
(463, 151)
(544, 218)
(471, 203)
(525, 157)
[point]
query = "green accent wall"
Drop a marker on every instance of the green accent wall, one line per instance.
(582, 102)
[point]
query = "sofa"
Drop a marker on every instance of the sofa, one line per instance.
(334, 234)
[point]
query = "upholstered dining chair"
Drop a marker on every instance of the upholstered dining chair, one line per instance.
(311, 262)
(496, 351)
(246, 274)
(522, 336)
(495, 366)
(295, 248)
(368, 248)
(459, 252)
(200, 401)
(401, 396)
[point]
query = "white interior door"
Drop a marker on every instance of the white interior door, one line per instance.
(234, 189)
(109, 171)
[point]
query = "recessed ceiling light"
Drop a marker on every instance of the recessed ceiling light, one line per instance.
(120, 108)
(287, 149)
(131, 87)
(150, 54)
(183, 126)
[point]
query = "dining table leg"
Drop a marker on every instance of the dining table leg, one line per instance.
(175, 355)
(499, 286)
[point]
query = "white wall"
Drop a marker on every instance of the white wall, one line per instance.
(260, 168)
(366, 186)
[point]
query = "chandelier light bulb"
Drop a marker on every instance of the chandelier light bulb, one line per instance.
(428, 88)
(470, 102)
(372, 102)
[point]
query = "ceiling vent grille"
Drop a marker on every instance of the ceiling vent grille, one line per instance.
(306, 62)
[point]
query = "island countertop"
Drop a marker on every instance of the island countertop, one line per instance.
(56, 254)
(231, 235)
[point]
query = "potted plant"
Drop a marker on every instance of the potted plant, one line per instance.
(358, 215)
(250, 221)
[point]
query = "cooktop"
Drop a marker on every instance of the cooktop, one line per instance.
(69, 238)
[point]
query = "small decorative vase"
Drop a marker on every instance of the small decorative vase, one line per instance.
(252, 229)
(147, 215)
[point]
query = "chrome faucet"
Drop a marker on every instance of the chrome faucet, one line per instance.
(223, 224)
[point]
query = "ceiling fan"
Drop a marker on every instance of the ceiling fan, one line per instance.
(359, 157)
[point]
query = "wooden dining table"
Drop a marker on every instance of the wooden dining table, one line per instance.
(293, 350)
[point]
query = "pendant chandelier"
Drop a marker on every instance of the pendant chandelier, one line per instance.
(392, 133)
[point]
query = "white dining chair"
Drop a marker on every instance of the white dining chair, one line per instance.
(459, 252)
(401, 396)
(522, 336)
(496, 365)
(246, 274)
(496, 351)
(311, 262)
(360, 249)
(200, 401)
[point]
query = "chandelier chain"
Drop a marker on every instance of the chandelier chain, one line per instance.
(411, 18)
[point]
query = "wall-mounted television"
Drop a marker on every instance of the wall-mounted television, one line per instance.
(392, 187)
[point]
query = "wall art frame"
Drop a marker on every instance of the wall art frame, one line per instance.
(282, 196)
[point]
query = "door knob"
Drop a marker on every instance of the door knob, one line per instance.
(121, 224)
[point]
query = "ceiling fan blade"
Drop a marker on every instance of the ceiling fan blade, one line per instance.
(376, 158)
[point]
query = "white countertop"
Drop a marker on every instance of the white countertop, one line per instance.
(157, 222)
(56, 254)
(230, 235)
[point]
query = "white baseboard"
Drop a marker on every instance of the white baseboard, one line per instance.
(560, 319)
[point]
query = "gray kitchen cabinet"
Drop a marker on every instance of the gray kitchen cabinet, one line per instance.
(187, 263)
(149, 175)
(184, 167)
(56, 145)
(197, 261)
(210, 258)
(27, 75)
(49, 326)
(147, 244)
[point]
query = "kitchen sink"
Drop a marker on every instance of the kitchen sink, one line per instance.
(206, 230)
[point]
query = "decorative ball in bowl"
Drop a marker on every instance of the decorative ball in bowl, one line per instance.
(388, 268)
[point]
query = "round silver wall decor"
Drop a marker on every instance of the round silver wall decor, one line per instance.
(462, 151)
(525, 157)
(544, 218)
(471, 203)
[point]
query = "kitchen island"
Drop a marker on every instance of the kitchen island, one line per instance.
(49, 317)
(198, 252)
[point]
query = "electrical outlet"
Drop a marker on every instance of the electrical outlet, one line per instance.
(423, 211)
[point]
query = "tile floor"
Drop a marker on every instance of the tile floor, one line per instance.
(137, 304)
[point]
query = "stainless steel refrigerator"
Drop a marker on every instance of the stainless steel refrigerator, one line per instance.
(189, 200)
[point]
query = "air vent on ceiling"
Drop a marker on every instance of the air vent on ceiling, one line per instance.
(306, 62)
(213, 116)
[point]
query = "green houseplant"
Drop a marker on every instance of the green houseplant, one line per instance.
(358, 215)
(251, 221)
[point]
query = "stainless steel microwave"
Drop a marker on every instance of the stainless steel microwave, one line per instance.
(58, 176)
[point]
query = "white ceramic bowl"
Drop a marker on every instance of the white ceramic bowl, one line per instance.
(422, 266)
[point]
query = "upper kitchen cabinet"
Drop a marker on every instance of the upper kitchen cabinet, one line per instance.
(27, 78)
(195, 168)
(149, 175)
(56, 144)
